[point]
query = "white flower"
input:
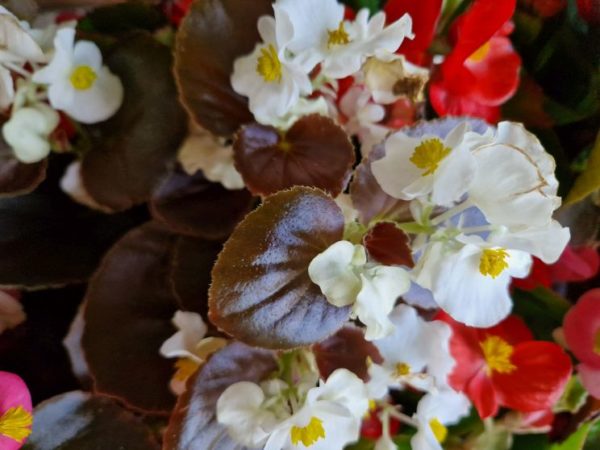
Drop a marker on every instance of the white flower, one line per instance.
(11, 312)
(190, 346)
(470, 278)
(204, 151)
(28, 130)
(434, 412)
(515, 183)
(417, 354)
(315, 32)
(416, 167)
(272, 83)
(303, 107)
(345, 279)
(390, 79)
(78, 82)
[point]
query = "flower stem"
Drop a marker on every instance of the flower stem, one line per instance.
(451, 212)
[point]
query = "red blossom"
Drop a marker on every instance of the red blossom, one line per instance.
(372, 428)
(425, 15)
(482, 70)
(582, 333)
(504, 366)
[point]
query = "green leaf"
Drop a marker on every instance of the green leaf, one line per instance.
(530, 442)
(542, 309)
(573, 397)
(593, 439)
(494, 437)
(589, 180)
(576, 441)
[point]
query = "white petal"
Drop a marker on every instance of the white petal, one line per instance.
(191, 331)
(62, 62)
(87, 53)
(7, 89)
(454, 176)
(344, 388)
(16, 40)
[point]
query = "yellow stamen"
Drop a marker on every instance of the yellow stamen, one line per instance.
(480, 54)
(497, 353)
(269, 65)
(83, 78)
(493, 262)
(439, 430)
(309, 434)
(16, 424)
(401, 369)
(597, 343)
(186, 367)
(338, 37)
(429, 154)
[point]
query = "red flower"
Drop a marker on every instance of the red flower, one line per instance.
(503, 366)
(15, 411)
(582, 332)
(482, 70)
(372, 428)
(425, 15)
(175, 10)
(589, 10)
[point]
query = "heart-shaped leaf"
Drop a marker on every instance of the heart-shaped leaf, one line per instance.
(193, 425)
(347, 349)
(129, 306)
(194, 206)
(211, 37)
(389, 245)
(130, 151)
(78, 420)
(17, 178)
(314, 152)
(261, 292)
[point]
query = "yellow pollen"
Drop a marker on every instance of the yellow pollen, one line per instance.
(16, 424)
(597, 343)
(493, 262)
(186, 367)
(83, 78)
(309, 434)
(401, 369)
(480, 54)
(429, 154)
(439, 430)
(497, 353)
(269, 65)
(338, 37)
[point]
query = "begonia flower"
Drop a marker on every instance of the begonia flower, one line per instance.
(16, 418)
(345, 278)
(78, 83)
(582, 333)
(504, 366)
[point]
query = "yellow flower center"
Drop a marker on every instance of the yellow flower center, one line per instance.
(83, 78)
(16, 424)
(338, 36)
(429, 154)
(186, 367)
(493, 262)
(597, 343)
(439, 430)
(401, 369)
(480, 54)
(309, 434)
(497, 353)
(269, 65)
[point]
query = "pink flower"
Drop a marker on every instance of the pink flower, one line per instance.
(16, 418)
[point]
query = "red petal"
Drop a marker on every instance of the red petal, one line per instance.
(481, 392)
(540, 275)
(582, 325)
(425, 15)
(543, 369)
(512, 329)
(576, 264)
(590, 378)
(446, 103)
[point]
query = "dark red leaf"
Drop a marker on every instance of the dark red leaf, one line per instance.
(193, 206)
(17, 178)
(314, 152)
(346, 349)
(389, 245)
(261, 292)
(193, 425)
(78, 420)
(211, 37)
(130, 151)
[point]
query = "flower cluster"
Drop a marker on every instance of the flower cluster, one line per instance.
(44, 74)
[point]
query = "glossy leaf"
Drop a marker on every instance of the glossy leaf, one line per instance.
(261, 292)
(193, 206)
(314, 152)
(17, 178)
(346, 349)
(389, 245)
(193, 425)
(130, 151)
(78, 420)
(211, 37)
